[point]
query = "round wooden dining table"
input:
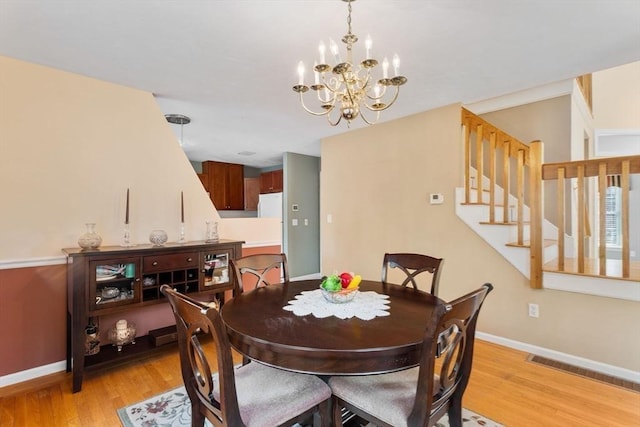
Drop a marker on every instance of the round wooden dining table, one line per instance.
(260, 328)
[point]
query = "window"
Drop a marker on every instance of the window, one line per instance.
(613, 202)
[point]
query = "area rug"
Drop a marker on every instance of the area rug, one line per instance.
(173, 409)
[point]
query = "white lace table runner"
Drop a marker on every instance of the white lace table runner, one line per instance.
(365, 305)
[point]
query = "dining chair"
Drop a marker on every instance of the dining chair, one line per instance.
(418, 396)
(413, 265)
(250, 395)
(259, 269)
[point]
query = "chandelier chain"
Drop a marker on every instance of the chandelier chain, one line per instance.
(349, 19)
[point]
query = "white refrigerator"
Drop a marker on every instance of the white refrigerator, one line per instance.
(270, 205)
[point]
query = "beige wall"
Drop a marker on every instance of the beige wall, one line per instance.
(616, 97)
(70, 147)
(548, 121)
(375, 184)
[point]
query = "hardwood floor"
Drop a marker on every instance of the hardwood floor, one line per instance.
(504, 386)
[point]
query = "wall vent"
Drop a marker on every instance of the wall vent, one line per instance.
(598, 376)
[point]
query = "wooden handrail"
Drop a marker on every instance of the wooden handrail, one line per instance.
(581, 171)
(482, 144)
(536, 255)
(591, 167)
(488, 141)
(585, 85)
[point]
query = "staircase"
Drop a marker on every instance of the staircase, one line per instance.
(505, 209)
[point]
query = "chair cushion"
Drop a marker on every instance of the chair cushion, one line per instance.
(388, 397)
(269, 396)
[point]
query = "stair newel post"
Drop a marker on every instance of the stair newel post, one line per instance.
(536, 201)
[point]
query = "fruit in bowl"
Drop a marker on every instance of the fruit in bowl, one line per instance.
(340, 288)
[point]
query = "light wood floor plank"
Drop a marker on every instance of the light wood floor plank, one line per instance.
(504, 386)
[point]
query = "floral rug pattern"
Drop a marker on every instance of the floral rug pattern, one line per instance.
(173, 409)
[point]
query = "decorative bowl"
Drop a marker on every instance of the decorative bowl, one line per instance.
(148, 281)
(340, 296)
(158, 237)
(110, 292)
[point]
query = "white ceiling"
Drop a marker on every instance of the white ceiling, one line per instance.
(230, 64)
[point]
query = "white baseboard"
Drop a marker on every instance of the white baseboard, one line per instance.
(6, 264)
(33, 373)
(581, 362)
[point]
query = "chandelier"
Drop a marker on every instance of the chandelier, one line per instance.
(350, 88)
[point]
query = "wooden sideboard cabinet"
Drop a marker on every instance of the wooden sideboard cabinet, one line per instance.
(116, 279)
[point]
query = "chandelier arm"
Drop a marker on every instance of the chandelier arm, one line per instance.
(333, 85)
(363, 80)
(395, 96)
(331, 100)
(329, 119)
(348, 89)
(379, 97)
(322, 113)
(362, 115)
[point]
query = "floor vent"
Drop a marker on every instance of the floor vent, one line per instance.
(584, 372)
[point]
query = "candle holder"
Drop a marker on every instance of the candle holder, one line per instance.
(211, 235)
(126, 237)
(182, 238)
(122, 333)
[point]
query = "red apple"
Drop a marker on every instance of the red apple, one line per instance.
(345, 279)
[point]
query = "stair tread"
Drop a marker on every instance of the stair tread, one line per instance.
(503, 223)
(482, 204)
(592, 267)
(527, 243)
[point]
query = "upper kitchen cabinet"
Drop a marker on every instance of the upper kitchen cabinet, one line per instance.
(271, 182)
(204, 179)
(226, 184)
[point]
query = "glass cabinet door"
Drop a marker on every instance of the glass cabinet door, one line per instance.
(113, 283)
(215, 270)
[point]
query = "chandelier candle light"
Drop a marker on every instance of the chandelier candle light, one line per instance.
(352, 88)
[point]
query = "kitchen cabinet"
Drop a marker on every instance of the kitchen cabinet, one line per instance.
(251, 193)
(271, 182)
(204, 179)
(226, 184)
(114, 279)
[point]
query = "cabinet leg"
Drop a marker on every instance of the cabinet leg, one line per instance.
(69, 355)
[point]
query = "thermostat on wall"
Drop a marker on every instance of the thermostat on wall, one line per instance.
(436, 198)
